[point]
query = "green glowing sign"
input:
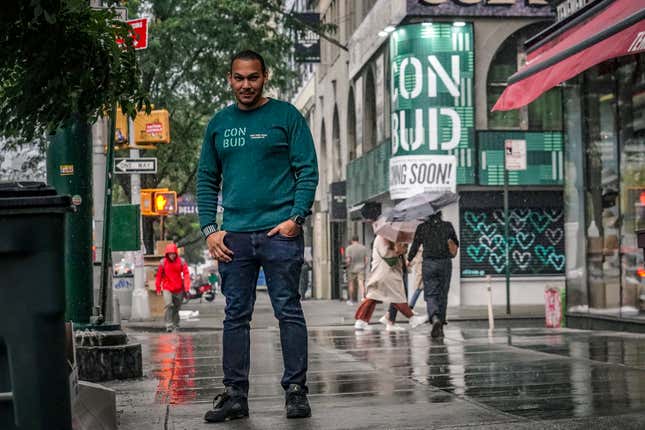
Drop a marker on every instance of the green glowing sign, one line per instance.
(432, 91)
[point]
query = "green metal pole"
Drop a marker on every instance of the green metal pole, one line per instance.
(69, 171)
(106, 258)
(507, 248)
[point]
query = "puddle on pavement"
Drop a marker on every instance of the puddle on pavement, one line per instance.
(533, 373)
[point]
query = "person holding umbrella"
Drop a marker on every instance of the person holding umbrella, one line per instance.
(414, 266)
(385, 283)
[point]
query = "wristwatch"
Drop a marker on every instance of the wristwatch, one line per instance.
(209, 229)
(298, 219)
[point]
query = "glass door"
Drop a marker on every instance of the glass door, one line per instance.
(602, 190)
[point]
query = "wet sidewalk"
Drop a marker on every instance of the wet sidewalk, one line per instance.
(326, 313)
(520, 377)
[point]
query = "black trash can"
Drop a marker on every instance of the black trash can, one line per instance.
(34, 381)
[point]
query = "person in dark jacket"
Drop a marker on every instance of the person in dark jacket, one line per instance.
(434, 234)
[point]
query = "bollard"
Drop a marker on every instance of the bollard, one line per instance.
(491, 319)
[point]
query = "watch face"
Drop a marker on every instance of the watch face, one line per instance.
(299, 219)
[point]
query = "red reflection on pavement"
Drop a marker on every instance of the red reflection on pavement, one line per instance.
(175, 357)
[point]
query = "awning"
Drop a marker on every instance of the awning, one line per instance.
(616, 28)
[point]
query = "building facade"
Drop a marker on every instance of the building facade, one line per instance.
(604, 123)
(415, 80)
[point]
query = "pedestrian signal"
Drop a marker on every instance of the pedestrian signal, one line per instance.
(165, 202)
(146, 204)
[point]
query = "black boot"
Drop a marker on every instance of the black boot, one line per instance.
(296, 402)
(231, 404)
(437, 327)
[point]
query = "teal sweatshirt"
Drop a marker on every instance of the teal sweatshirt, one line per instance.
(263, 161)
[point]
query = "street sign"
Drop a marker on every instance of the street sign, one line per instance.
(120, 12)
(139, 33)
(126, 166)
(187, 205)
(515, 153)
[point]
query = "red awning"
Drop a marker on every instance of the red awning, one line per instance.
(617, 30)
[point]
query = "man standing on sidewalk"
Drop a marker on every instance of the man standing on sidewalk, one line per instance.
(259, 152)
(173, 280)
(356, 255)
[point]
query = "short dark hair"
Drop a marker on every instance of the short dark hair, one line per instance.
(249, 55)
(355, 238)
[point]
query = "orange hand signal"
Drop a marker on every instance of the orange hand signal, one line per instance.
(160, 202)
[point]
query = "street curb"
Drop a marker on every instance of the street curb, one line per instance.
(142, 327)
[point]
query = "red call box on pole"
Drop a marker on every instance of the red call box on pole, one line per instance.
(138, 32)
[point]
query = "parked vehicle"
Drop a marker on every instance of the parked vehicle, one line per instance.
(200, 289)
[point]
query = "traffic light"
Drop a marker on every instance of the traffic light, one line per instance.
(165, 202)
(152, 128)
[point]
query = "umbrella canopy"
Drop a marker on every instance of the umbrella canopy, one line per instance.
(421, 206)
(395, 231)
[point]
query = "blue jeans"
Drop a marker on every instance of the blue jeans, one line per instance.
(281, 258)
(436, 283)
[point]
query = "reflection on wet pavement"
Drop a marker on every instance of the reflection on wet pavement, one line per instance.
(524, 373)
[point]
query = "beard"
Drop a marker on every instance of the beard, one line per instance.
(257, 94)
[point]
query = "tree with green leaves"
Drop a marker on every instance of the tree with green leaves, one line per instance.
(60, 62)
(184, 70)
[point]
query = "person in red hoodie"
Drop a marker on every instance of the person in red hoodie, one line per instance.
(173, 279)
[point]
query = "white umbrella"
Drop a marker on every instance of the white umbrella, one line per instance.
(395, 231)
(421, 206)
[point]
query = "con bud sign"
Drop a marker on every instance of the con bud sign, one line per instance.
(432, 117)
(138, 32)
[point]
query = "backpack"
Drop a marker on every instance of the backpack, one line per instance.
(181, 262)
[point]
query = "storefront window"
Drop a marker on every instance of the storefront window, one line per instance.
(601, 196)
(605, 112)
(631, 102)
(545, 113)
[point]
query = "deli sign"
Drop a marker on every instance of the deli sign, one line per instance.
(432, 120)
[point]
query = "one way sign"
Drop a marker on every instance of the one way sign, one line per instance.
(135, 165)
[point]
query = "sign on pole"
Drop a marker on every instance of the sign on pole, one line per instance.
(307, 43)
(138, 32)
(515, 154)
(127, 166)
(121, 13)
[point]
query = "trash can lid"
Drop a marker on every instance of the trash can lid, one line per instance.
(29, 194)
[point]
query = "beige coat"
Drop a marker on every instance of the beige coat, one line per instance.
(385, 282)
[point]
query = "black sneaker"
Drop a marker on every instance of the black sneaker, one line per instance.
(296, 402)
(437, 327)
(231, 405)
